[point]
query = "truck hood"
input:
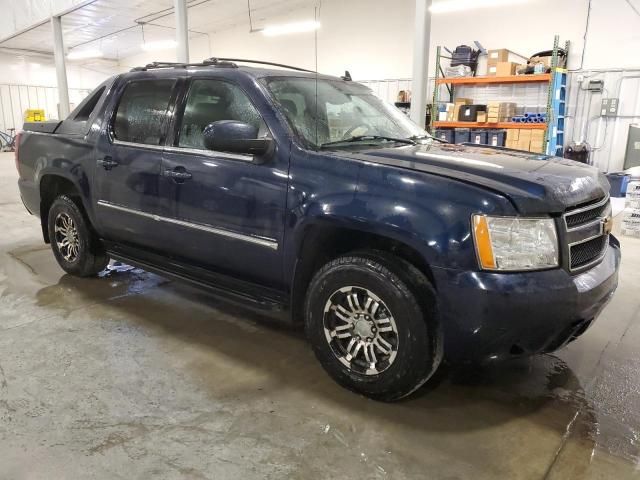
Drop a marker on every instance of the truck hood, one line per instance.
(534, 183)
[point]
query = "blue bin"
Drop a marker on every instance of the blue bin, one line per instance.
(497, 138)
(462, 135)
(479, 137)
(619, 183)
(445, 134)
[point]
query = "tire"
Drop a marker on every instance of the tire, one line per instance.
(82, 255)
(405, 319)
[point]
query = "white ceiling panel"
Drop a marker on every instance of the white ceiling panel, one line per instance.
(114, 26)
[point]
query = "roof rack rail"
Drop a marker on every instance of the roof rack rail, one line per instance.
(158, 65)
(214, 61)
(219, 60)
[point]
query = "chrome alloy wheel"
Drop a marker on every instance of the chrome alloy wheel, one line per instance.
(67, 238)
(360, 330)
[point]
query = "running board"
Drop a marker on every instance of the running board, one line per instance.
(243, 293)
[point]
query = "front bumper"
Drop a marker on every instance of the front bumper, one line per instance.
(490, 316)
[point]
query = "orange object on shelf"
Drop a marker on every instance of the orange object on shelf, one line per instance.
(546, 77)
(501, 125)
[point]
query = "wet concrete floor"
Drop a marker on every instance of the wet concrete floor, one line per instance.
(133, 376)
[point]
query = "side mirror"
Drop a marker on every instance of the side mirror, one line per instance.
(235, 137)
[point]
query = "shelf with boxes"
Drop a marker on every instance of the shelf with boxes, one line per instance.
(532, 119)
(544, 77)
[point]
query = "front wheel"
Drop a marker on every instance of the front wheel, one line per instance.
(371, 325)
(74, 244)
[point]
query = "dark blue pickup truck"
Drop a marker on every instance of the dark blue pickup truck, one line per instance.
(306, 195)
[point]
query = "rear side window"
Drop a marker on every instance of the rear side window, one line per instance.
(141, 113)
(87, 109)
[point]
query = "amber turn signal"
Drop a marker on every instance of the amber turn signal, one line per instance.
(484, 249)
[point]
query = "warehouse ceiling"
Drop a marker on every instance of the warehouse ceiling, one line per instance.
(115, 26)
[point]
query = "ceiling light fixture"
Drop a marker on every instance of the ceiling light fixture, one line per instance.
(287, 28)
(159, 45)
(447, 6)
(84, 54)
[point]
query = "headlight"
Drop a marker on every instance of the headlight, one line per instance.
(514, 243)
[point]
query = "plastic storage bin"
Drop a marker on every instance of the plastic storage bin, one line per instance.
(497, 138)
(618, 182)
(479, 137)
(445, 134)
(462, 135)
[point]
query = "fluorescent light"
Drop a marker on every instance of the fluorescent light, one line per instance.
(159, 45)
(83, 54)
(297, 27)
(446, 6)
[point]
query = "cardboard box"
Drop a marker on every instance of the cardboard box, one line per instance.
(499, 55)
(482, 117)
(513, 135)
(537, 135)
(524, 135)
(459, 102)
(536, 146)
(506, 69)
(450, 108)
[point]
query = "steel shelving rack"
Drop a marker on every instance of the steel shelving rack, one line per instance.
(556, 99)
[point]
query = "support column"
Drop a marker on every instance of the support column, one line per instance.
(182, 31)
(61, 67)
(421, 38)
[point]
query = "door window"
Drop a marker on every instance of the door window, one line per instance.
(140, 115)
(209, 101)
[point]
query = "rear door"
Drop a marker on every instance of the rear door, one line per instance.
(229, 213)
(129, 160)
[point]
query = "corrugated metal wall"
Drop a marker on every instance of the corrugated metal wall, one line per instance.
(607, 136)
(16, 99)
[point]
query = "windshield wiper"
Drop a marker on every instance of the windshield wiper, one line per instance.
(427, 137)
(360, 138)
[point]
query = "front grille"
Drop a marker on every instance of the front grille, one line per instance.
(587, 234)
(587, 252)
(588, 214)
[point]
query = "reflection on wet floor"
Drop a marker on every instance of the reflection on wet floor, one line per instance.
(140, 366)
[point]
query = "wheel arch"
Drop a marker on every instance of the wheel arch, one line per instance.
(51, 186)
(322, 242)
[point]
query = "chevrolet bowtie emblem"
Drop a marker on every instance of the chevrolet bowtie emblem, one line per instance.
(607, 225)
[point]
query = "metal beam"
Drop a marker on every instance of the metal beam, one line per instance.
(182, 31)
(421, 38)
(61, 68)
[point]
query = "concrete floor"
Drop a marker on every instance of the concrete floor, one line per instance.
(132, 376)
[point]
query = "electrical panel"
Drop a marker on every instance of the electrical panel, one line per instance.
(609, 107)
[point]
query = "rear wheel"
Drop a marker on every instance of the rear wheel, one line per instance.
(371, 325)
(75, 246)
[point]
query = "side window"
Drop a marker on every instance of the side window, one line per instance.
(86, 109)
(209, 101)
(141, 112)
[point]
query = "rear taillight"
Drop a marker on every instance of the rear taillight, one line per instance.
(16, 145)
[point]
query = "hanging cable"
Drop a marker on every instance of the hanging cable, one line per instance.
(633, 7)
(584, 38)
(250, 19)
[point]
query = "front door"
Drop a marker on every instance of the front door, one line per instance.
(228, 211)
(129, 161)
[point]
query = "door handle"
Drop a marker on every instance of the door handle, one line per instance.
(179, 174)
(107, 163)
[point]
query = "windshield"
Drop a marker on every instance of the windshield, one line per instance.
(347, 114)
